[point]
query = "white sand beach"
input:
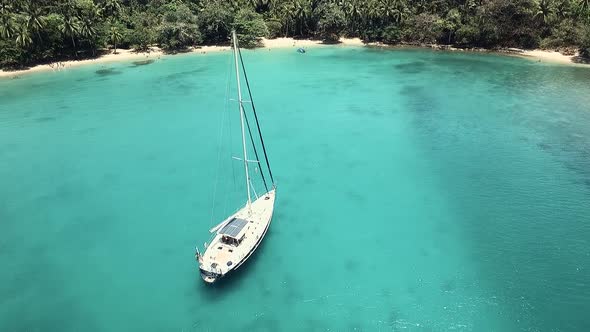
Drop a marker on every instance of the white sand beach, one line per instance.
(549, 56)
(156, 53)
(121, 55)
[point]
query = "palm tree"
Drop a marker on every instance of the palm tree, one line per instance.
(284, 13)
(88, 22)
(583, 7)
(7, 24)
(182, 34)
(300, 12)
(400, 11)
(111, 8)
(545, 11)
(71, 29)
(261, 5)
(23, 37)
(88, 31)
(387, 10)
(353, 11)
(421, 6)
(451, 23)
(115, 36)
(7, 28)
(67, 8)
(563, 9)
(471, 4)
(34, 19)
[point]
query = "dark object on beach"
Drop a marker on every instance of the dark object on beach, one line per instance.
(143, 62)
(301, 50)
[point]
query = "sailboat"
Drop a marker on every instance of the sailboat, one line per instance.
(237, 237)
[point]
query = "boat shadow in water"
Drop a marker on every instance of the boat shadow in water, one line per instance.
(107, 72)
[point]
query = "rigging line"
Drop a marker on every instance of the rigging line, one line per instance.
(256, 117)
(253, 189)
(255, 150)
(219, 143)
(234, 189)
(228, 124)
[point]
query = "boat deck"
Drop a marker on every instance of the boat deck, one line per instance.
(232, 255)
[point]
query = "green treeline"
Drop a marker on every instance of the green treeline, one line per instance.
(37, 31)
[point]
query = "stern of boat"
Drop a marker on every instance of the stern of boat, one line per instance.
(209, 277)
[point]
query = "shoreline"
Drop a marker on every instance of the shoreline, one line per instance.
(538, 55)
(122, 55)
(281, 43)
(156, 53)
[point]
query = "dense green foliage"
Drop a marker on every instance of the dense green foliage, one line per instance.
(33, 31)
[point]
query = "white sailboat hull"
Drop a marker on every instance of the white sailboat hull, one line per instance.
(222, 256)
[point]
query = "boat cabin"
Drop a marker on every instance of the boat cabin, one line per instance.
(234, 232)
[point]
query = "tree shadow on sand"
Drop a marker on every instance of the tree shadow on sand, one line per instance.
(581, 60)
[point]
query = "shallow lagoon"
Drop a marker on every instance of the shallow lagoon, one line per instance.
(417, 190)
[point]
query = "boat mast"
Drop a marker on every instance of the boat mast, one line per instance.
(235, 42)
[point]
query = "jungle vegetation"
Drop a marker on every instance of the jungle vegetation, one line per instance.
(41, 31)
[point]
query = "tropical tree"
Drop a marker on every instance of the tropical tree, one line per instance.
(115, 36)
(91, 27)
(88, 32)
(563, 9)
(332, 22)
(391, 10)
(583, 7)
(23, 37)
(215, 19)
(34, 18)
(545, 11)
(283, 13)
(451, 23)
(354, 13)
(391, 35)
(111, 9)
(256, 5)
(7, 23)
(87, 29)
(585, 42)
(300, 11)
(179, 28)
(70, 28)
(265, 5)
(49, 30)
(249, 27)
(142, 34)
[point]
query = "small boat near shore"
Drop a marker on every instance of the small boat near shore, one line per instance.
(237, 237)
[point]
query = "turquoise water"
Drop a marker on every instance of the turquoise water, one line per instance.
(417, 191)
